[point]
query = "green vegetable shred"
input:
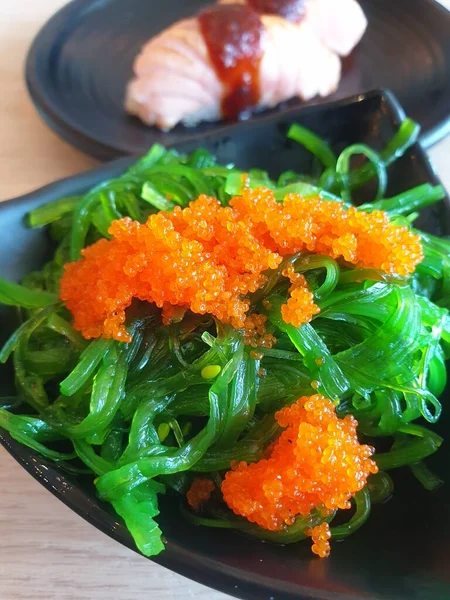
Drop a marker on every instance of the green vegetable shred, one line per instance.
(145, 418)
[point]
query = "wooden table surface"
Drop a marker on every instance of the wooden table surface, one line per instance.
(46, 551)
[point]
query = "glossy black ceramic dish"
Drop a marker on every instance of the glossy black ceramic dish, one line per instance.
(81, 60)
(403, 552)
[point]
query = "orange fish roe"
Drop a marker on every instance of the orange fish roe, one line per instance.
(207, 258)
(300, 307)
(321, 539)
(199, 492)
(255, 332)
(316, 462)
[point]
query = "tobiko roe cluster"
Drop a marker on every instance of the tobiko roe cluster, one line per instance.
(317, 462)
(199, 492)
(207, 257)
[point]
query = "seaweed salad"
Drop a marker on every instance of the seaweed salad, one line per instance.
(269, 351)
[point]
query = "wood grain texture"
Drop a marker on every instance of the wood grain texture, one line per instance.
(46, 551)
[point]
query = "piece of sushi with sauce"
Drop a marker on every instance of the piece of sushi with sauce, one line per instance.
(235, 57)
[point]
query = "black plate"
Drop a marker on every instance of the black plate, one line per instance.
(403, 552)
(80, 62)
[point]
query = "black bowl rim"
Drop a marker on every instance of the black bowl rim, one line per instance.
(209, 572)
(63, 124)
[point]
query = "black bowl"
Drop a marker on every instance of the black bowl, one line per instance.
(403, 552)
(81, 60)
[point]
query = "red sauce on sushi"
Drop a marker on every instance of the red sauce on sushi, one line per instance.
(234, 36)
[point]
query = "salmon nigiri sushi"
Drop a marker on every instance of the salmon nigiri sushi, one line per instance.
(229, 60)
(339, 24)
